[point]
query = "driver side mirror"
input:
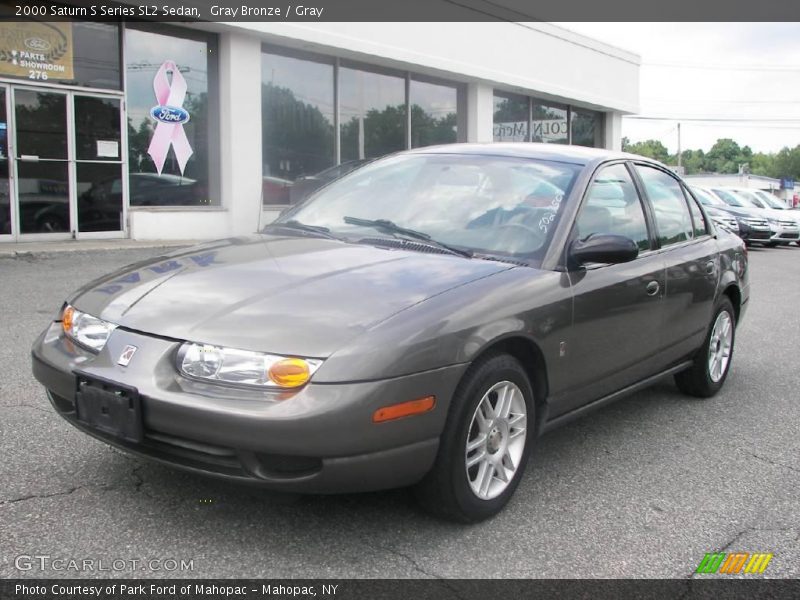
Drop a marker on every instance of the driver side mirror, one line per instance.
(603, 248)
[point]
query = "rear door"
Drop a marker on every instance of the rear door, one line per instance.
(691, 259)
(618, 309)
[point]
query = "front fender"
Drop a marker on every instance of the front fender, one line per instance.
(456, 326)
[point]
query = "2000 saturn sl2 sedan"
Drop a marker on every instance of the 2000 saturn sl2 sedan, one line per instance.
(419, 321)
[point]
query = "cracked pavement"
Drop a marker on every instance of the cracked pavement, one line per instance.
(642, 488)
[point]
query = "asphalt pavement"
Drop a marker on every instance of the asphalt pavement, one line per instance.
(642, 488)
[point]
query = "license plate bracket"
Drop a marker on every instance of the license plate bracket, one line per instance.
(109, 407)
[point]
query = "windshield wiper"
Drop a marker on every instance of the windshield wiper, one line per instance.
(390, 227)
(318, 229)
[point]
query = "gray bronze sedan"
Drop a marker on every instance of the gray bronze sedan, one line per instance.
(418, 322)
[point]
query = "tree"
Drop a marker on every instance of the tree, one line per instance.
(692, 160)
(725, 156)
(787, 163)
(650, 148)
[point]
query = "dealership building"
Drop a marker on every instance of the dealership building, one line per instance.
(160, 131)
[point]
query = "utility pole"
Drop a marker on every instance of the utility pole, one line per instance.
(679, 147)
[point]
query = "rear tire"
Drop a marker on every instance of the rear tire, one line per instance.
(712, 362)
(485, 444)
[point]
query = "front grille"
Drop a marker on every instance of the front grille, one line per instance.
(192, 454)
(790, 224)
(788, 236)
(201, 455)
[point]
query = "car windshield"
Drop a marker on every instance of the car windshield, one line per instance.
(751, 198)
(771, 201)
(707, 199)
(484, 205)
(730, 198)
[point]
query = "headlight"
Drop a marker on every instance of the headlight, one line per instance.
(88, 331)
(243, 367)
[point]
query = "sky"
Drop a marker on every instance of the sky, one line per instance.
(747, 71)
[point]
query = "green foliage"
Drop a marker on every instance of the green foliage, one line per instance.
(649, 148)
(725, 156)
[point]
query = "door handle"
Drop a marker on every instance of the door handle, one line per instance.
(710, 267)
(652, 288)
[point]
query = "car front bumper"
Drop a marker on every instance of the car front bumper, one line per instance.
(785, 234)
(318, 439)
(752, 233)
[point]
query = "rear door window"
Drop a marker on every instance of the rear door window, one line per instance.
(673, 221)
(698, 220)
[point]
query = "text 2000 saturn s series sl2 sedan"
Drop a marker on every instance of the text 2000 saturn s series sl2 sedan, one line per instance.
(419, 321)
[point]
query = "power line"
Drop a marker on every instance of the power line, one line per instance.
(719, 101)
(714, 119)
(722, 67)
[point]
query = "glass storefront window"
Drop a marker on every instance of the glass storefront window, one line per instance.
(587, 128)
(515, 116)
(373, 113)
(297, 123)
(170, 83)
(433, 113)
(379, 112)
(549, 123)
(511, 115)
(71, 53)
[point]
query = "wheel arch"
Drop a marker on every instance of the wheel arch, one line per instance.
(734, 294)
(532, 360)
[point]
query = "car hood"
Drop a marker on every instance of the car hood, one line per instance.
(303, 296)
(741, 211)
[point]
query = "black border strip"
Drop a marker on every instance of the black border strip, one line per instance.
(407, 10)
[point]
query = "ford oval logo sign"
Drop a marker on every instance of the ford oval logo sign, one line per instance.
(173, 115)
(38, 44)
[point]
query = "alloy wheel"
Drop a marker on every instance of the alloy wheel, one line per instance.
(496, 440)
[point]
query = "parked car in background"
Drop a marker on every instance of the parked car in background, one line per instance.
(779, 204)
(771, 199)
(753, 227)
(785, 227)
(275, 190)
(388, 333)
(716, 209)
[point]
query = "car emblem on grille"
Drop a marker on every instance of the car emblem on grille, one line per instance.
(127, 355)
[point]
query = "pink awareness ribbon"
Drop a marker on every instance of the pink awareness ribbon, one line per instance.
(169, 133)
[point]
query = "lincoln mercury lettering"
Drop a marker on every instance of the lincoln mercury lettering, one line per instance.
(419, 321)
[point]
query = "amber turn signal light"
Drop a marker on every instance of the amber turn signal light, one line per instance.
(404, 409)
(290, 372)
(66, 318)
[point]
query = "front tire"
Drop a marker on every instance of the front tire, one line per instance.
(485, 445)
(712, 362)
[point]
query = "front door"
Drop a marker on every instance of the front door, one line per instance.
(66, 166)
(618, 308)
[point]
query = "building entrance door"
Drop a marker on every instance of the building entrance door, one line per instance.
(64, 165)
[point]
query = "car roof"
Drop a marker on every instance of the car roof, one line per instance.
(580, 155)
